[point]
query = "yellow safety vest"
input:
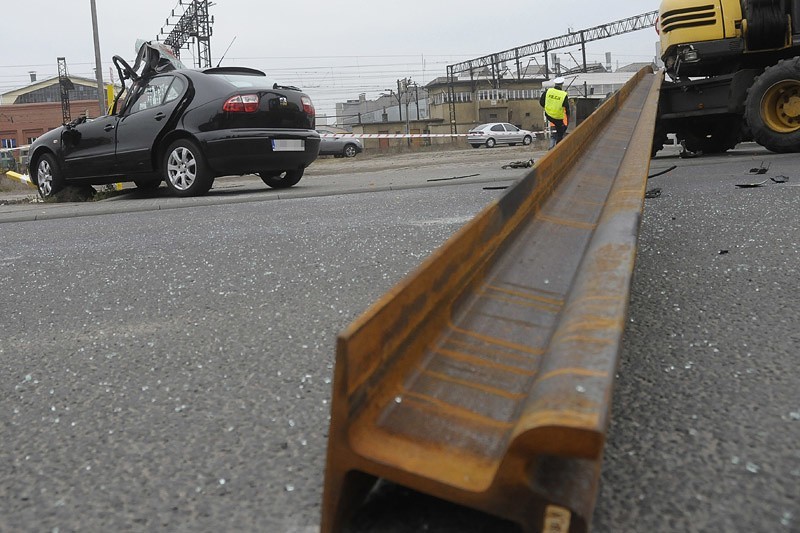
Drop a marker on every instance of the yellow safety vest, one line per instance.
(554, 103)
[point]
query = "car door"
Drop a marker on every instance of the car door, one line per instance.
(513, 134)
(89, 148)
(329, 145)
(498, 133)
(146, 119)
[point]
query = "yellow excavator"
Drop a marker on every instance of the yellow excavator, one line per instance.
(733, 70)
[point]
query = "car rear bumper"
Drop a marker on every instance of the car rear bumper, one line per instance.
(244, 151)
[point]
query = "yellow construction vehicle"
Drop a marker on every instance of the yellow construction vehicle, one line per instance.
(734, 74)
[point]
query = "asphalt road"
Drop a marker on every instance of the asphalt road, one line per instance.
(169, 368)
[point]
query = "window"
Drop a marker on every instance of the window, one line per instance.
(156, 92)
(8, 143)
(443, 98)
(175, 90)
(244, 81)
(30, 140)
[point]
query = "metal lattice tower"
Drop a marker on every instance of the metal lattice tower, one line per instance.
(194, 24)
(490, 62)
(65, 84)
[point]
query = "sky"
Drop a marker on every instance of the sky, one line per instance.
(332, 49)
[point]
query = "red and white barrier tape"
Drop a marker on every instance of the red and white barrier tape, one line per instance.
(397, 135)
(15, 149)
(387, 135)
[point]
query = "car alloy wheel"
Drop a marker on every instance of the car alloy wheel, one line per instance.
(48, 178)
(44, 177)
(349, 151)
(181, 168)
(185, 169)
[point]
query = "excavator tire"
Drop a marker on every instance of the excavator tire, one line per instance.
(772, 108)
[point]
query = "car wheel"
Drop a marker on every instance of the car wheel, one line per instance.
(349, 150)
(490, 143)
(49, 179)
(281, 180)
(527, 140)
(185, 169)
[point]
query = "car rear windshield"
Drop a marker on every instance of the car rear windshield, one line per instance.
(246, 81)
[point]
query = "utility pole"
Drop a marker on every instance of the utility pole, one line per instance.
(399, 103)
(416, 94)
(402, 90)
(101, 91)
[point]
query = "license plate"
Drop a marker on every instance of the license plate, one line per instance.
(288, 145)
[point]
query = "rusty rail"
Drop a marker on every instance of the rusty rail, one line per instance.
(485, 377)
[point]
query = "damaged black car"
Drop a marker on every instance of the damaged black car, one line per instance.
(183, 127)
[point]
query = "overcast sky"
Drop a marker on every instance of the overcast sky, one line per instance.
(332, 49)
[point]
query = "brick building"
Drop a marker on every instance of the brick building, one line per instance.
(35, 109)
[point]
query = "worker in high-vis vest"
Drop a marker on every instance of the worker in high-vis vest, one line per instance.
(556, 107)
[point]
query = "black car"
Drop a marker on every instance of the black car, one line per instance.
(185, 127)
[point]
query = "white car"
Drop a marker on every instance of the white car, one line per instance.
(495, 133)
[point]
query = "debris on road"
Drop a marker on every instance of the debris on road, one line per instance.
(670, 169)
(686, 153)
(519, 164)
(760, 170)
(454, 178)
(653, 193)
(751, 185)
(776, 179)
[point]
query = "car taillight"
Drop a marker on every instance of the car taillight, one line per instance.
(243, 103)
(308, 107)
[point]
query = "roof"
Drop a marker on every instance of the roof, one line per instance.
(636, 67)
(11, 96)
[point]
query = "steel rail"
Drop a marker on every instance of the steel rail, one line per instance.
(485, 377)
